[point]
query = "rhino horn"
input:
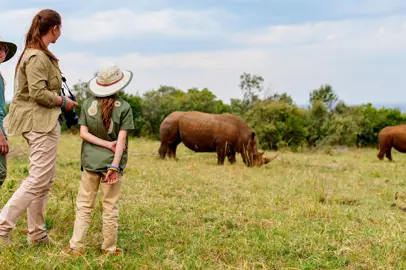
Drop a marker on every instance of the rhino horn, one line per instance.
(267, 160)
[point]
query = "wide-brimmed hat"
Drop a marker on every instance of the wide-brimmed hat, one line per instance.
(11, 49)
(109, 80)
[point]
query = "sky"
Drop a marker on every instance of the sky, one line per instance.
(358, 47)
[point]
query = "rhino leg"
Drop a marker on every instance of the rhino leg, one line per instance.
(231, 156)
(381, 154)
(221, 154)
(163, 149)
(172, 150)
(389, 154)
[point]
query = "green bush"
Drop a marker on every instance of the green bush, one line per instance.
(278, 123)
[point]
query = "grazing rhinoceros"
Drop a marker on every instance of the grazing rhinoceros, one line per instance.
(225, 134)
(391, 136)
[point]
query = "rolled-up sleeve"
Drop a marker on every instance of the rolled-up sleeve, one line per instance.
(37, 76)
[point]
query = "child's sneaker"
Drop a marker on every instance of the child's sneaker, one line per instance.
(118, 252)
(72, 252)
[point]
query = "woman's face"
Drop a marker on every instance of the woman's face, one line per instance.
(3, 53)
(56, 32)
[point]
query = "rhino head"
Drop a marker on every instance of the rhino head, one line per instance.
(252, 157)
(260, 160)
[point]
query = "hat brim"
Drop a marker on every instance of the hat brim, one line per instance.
(12, 49)
(105, 91)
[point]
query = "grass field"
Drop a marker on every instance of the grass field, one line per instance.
(302, 211)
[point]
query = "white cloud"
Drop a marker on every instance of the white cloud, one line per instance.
(367, 6)
(345, 32)
(15, 23)
(123, 23)
(360, 58)
(219, 71)
(356, 76)
(128, 24)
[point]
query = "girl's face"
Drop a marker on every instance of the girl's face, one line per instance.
(3, 53)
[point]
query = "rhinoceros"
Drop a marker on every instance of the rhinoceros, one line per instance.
(391, 136)
(225, 134)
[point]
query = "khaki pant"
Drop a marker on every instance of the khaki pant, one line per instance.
(85, 204)
(33, 191)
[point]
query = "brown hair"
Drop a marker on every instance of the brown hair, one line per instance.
(107, 105)
(41, 24)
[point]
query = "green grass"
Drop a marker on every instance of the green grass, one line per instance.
(302, 211)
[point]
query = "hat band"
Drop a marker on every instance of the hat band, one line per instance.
(109, 84)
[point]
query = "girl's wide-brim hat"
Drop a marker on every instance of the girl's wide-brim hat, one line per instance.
(11, 49)
(110, 79)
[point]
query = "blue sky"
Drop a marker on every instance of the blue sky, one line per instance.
(356, 46)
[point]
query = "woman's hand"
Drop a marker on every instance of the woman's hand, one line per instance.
(3, 145)
(70, 104)
(112, 177)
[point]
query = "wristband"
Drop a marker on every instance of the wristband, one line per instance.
(63, 102)
(113, 168)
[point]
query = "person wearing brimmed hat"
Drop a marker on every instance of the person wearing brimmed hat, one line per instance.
(7, 51)
(104, 121)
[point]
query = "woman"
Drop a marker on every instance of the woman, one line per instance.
(7, 51)
(105, 120)
(34, 113)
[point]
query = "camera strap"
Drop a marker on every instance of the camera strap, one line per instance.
(67, 87)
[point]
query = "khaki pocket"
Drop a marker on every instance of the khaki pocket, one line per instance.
(55, 83)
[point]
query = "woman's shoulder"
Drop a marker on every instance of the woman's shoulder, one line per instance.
(34, 52)
(39, 56)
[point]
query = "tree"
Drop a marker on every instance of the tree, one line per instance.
(136, 103)
(250, 86)
(324, 94)
(202, 101)
(319, 120)
(157, 104)
(284, 97)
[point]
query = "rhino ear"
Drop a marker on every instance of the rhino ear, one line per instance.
(252, 135)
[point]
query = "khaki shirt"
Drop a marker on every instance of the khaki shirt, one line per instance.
(93, 157)
(36, 89)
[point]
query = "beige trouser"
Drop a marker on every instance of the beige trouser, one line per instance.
(33, 191)
(85, 203)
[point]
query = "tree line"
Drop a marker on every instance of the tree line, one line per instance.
(277, 120)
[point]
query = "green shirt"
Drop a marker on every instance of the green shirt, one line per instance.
(96, 158)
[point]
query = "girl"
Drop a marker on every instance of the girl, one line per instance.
(34, 113)
(105, 120)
